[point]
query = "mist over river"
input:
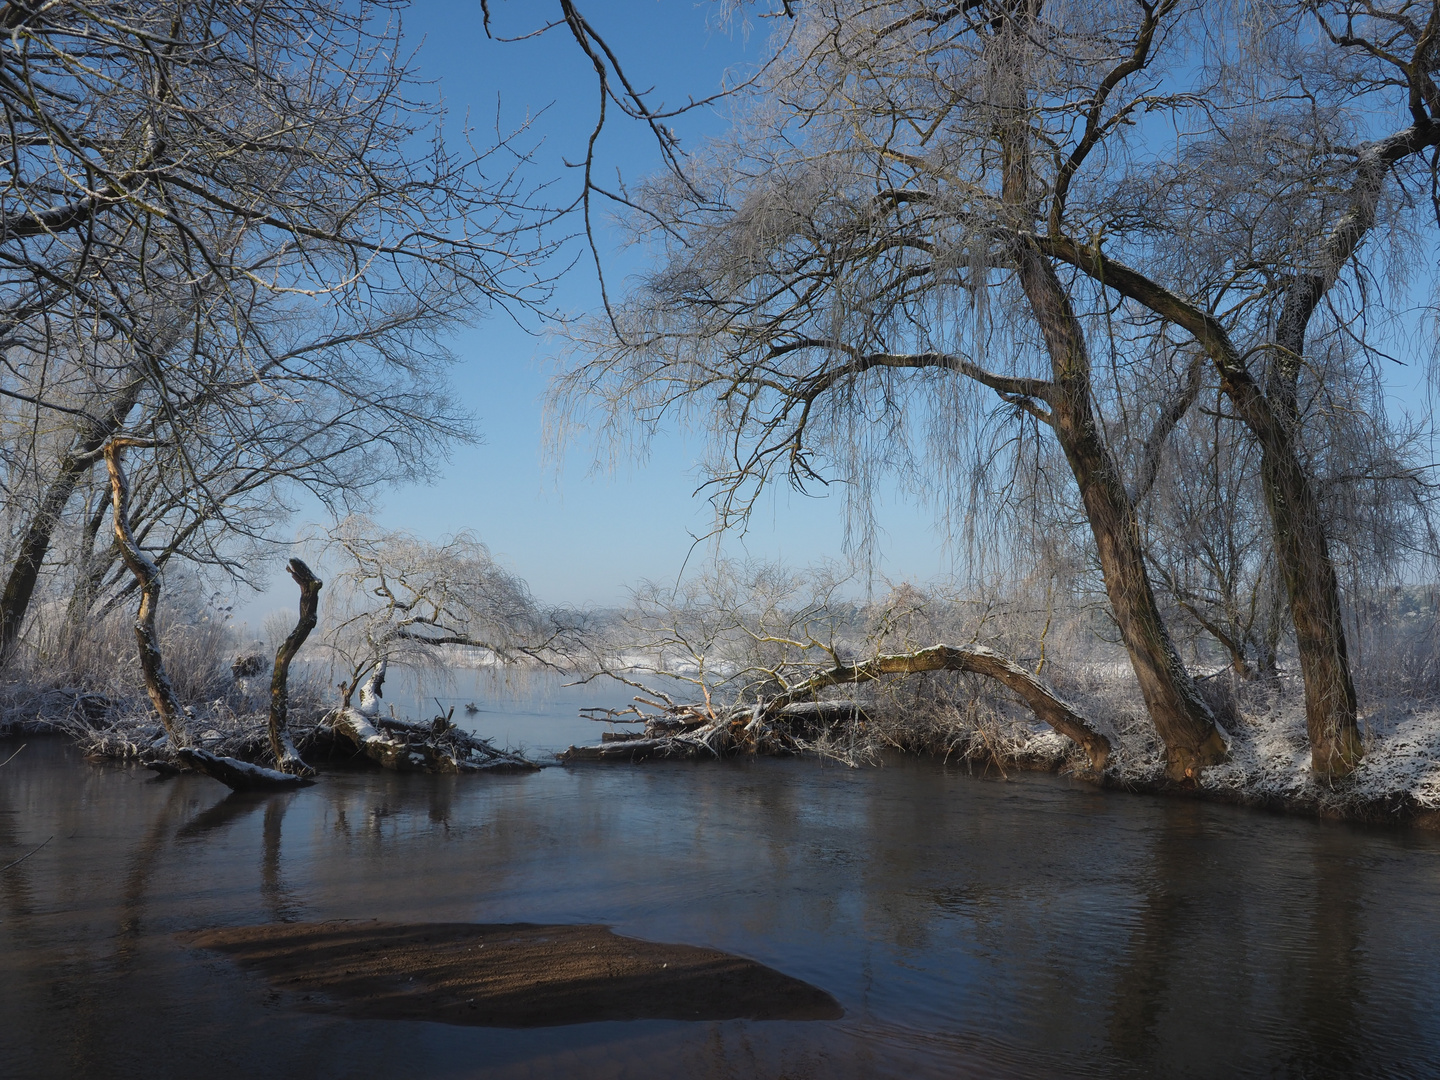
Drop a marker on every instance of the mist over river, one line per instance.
(1025, 926)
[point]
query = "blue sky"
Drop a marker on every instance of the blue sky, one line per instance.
(577, 536)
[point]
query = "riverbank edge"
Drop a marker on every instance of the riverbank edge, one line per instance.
(1397, 809)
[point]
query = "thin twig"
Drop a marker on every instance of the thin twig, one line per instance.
(22, 858)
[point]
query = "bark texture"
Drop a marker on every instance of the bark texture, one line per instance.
(1185, 724)
(147, 576)
(287, 758)
(40, 530)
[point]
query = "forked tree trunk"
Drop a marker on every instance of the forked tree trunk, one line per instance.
(1301, 547)
(287, 758)
(1183, 720)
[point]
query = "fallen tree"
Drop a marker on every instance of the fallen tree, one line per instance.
(408, 746)
(772, 724)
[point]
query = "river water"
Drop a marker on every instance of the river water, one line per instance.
(970, 926)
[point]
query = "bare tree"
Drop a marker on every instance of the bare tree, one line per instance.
(1250, 298)
(859, 254)
(225, 225)
(398, 599)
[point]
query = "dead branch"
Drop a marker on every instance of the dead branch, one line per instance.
(239, 775)
(287, 758)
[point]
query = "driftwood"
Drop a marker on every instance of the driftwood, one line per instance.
(700, 730)
(287, 758)
(407, 746)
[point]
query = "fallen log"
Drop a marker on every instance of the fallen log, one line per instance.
(772, 725)
(977, 659)
(405, 746)
(236, 774)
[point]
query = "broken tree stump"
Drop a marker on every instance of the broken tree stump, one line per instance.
(287, 758)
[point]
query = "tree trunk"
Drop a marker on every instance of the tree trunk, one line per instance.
(287, 758)
(1185, 724)
(1043, 701)
(25, 571)
(1301, 546)
(1303, 554)
(147, 574)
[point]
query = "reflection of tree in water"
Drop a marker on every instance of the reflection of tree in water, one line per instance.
(1329, 1035)
(234, 807)
(283, 904)
(1142, 983)
(1242, 953)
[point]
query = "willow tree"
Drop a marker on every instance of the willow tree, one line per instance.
(858, 265)
(1248, 232)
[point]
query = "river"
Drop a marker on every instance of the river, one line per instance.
(970, 926)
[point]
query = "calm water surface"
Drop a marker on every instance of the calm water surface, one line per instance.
(970, 926)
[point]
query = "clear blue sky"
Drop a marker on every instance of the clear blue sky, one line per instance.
(575, 536)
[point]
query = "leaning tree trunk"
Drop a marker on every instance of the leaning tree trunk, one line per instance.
(147, 576)
(35, 543)
(287, 758)
(976, 659)
(1184, 722)
(1331, 708)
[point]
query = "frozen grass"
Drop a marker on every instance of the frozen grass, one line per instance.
(90, 689)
